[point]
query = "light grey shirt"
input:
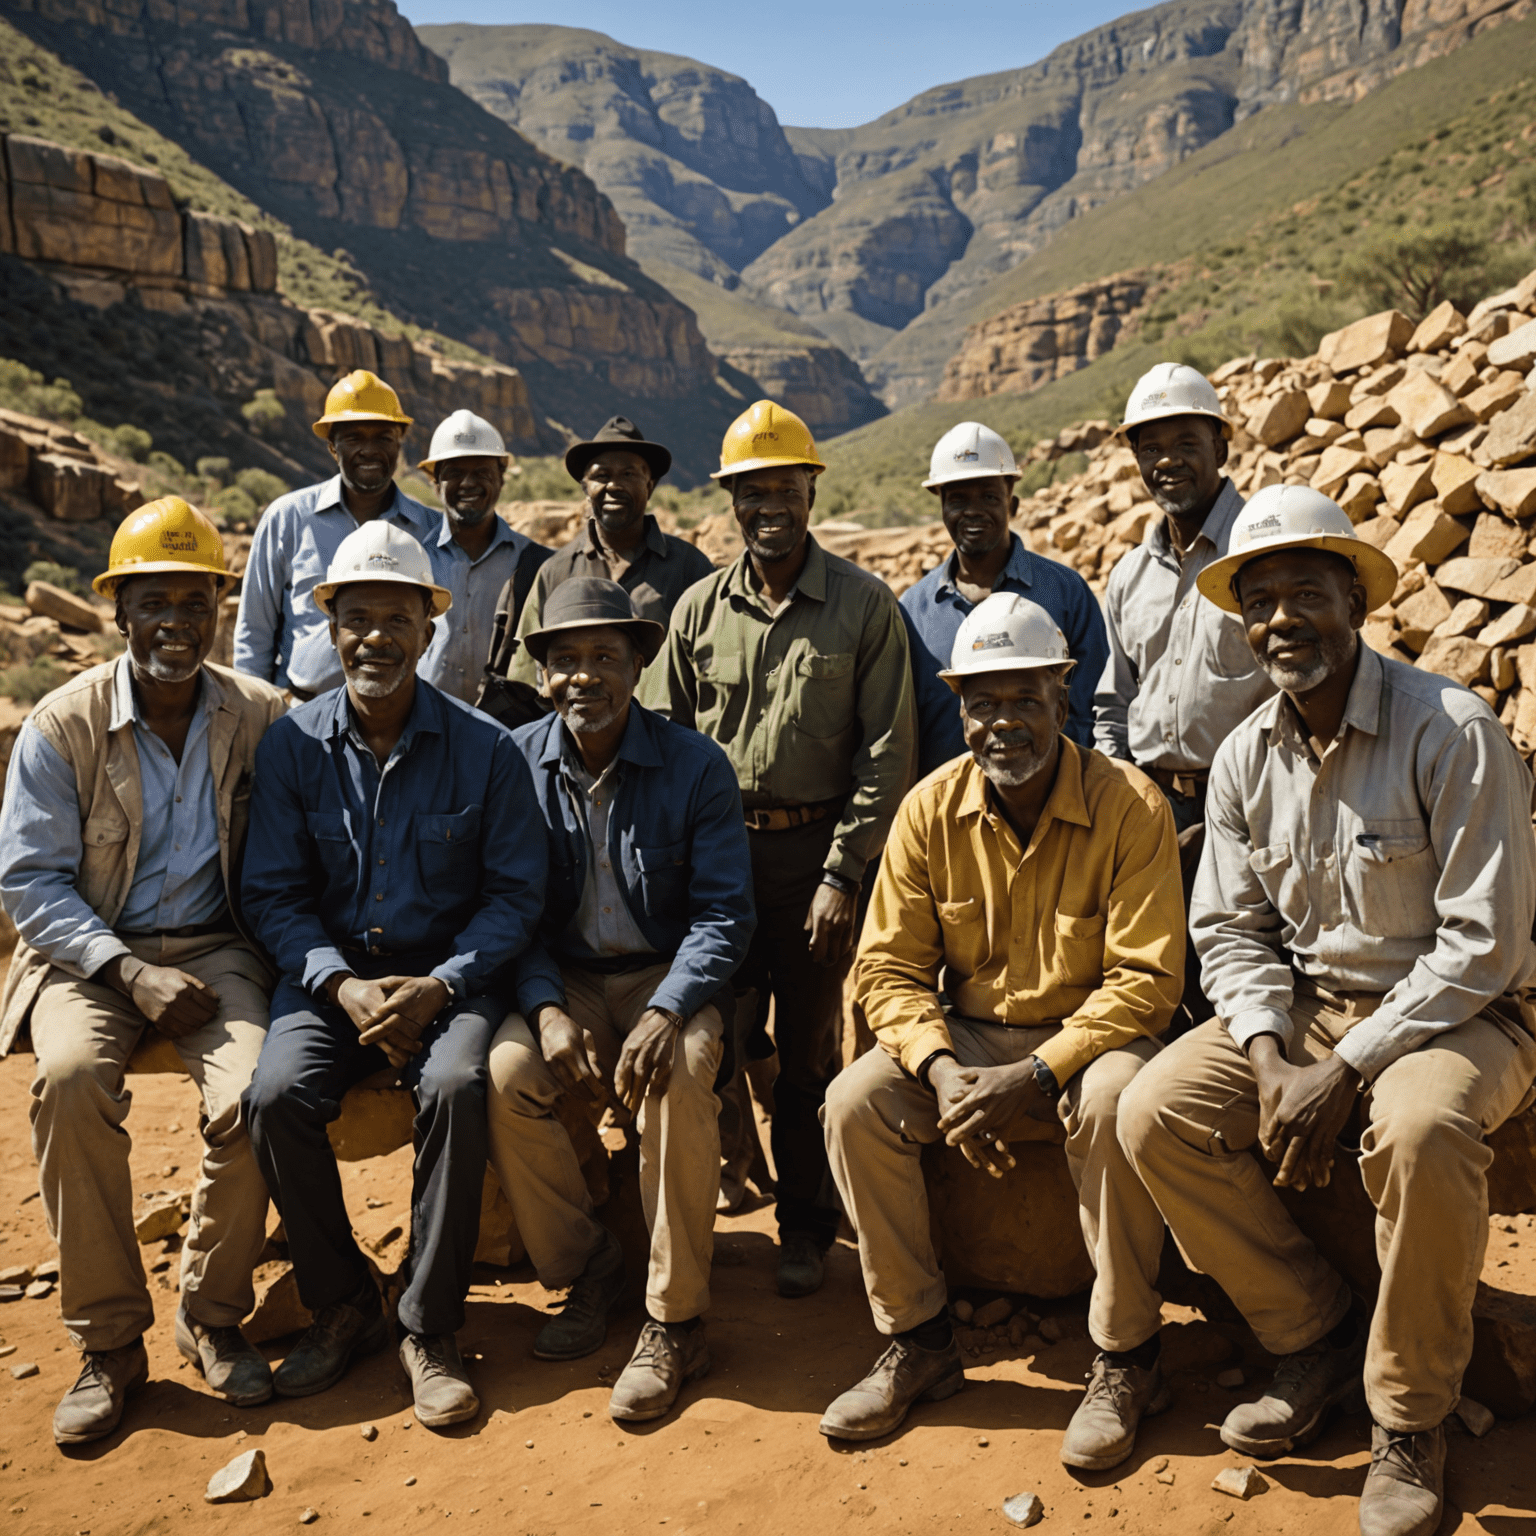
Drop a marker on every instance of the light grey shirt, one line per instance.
(1400, 863)
(602, 920)
(1180, 674)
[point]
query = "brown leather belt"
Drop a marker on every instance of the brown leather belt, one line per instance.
(1188, 782)
(782, 817)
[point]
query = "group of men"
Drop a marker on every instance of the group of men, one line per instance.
(328, 860)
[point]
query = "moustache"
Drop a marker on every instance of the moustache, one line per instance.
(368, 655)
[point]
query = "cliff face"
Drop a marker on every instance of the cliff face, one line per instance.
(335, 118)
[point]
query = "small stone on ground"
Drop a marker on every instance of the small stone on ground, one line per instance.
(368, 1431)
(241, 1479)
(21, 1372)
(1475, 1419)
(1240, 1482)
(1024, 1509)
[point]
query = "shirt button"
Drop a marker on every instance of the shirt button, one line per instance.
(381, 821)
(1178, 661)
(379, 896)
(608, 910)
(381, 861)
(178, 799)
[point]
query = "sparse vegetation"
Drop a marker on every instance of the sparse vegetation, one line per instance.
(29, 682)
(56, 575)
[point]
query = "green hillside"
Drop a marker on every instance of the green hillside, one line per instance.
(1276, 233)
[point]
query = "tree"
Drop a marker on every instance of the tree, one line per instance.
(1414, 270)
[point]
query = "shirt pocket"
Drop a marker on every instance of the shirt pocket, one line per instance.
(1391, 878)
(964, 929)
(1229, 654)
(664, 875)
(821, 703)
(1272, 865)
(330, 835)
(719, 683)
(1078, 960)
(307, 567)
(102, 849)
(448, 852)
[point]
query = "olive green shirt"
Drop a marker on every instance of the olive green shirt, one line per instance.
(812, 703)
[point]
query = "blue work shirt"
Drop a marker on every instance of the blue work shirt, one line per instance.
(280, 635)
(461, 645)
(178, 879)
(677, 842)
(436, 858)
(934, 610)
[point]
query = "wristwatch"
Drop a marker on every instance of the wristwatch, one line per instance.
(1045, 1080)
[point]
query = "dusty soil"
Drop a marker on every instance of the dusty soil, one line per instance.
(741, 1454)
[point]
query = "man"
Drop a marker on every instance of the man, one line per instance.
(391, 876)
(1363, 919)
(281, 635)
(796, 662)
(972, 472)
(1180, 676)
(476, 554)
(617, 470)
(125, 812)
(1031, 881)
(649, 915)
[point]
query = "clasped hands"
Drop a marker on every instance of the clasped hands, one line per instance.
(977, 1104)
(1302, 1111)
(392, 1012)
(645, 1062)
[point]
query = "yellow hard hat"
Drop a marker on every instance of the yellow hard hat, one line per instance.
(164, 535)
(361, 396)
(765, 436)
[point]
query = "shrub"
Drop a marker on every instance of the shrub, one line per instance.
(57, 575)
(263, 488)
(233, 505)
(264, 413)
(213, 470)
(24, 389)
(1419, 269)
(27, 684)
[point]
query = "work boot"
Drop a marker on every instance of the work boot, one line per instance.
(325, 1349)
(1404, 1491)
(1103, 1428)
(905, 1374)
(801, 1269)
(233, 1368)
(666, 1356)
(581, 1324)
(1292, 1413)
(93, 1407)
(439, 1382)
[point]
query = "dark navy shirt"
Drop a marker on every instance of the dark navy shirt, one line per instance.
(439, 856)
(934, 611)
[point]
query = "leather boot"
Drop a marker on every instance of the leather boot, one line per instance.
(905, 1374)
(666, 1356)
(581, 1324)
(439, 1383)
(325, 1349)
(1103, 1428)
(1405, 1489)
(93, 1407)
(801, 1268)
(233, 1368)
(1293, 1412)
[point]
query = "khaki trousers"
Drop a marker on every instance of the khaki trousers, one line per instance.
(679, 1144)
(1188, 1126)
(878, 1119)
(83, 1033)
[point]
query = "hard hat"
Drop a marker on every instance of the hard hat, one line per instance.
(968, 452)
(1295, 517)
(463, 435)
(1005, 633)
(164, 535)
(361, 396)
(1173, 389)
(766, 436)
(379, 551)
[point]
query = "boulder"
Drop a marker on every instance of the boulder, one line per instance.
(1373, 411)
(15, 459)
(1426, 407)
(1421, 614)
(1477, 578)
(1336, 467)
(1427, 535)
(1512, 491)
(1498, 394)
(1279, 417)
(1404, 486)
(55, 603)
(1456, 657)
(1470, 614)
(1517, 586)
(1516, 350)
(1359, 497)
(1495, 537)
(1455, 483)
(1511, 435)
(1329, 399)
(1515, 623)
(1460, 375)
(70, 489)
(1438, 329)
(1377, 339)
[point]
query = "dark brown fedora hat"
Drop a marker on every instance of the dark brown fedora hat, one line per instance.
(589, 602)
(617, 432)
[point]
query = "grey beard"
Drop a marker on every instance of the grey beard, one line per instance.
(158, 669)
(1178, 507)
(1014, 774)
(375, 687)
(588, 725)
(1332, 654)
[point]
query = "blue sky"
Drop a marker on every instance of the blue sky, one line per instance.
(829, 65)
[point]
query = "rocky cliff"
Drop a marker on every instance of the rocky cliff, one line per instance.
(337, 120)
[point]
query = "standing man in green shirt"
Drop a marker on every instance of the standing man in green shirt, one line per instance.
(796, 662)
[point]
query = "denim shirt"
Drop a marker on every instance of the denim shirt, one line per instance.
(280, 635)
(934, 610)
(431, 858)
(677, 842)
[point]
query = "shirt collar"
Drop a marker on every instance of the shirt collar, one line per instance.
(639, 745)
(1215, 530)
(425, 718)
(504, 534)
(125, 703)
(811, 582)
(1066, 802)
(1020, 567)
(652, 538)
(404, 510)
(1362, 709)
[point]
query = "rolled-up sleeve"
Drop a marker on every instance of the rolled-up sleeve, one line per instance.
(1479, 805)
(40, 852)
(1236, 931)
(1143, 946)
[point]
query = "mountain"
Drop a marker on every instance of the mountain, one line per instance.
(334, 118)
(698, 168)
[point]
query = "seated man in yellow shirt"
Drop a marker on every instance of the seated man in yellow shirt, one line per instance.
(1037, 884)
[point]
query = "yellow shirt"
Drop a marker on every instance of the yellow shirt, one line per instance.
(1084, 928)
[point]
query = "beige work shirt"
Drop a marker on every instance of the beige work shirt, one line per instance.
(1180, 674)
(1400, 863)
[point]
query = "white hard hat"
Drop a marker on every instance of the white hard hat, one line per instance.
(1005, 633)
(1296, 517)
(379, 551)
(968, 452)
(1173, 389)
(463, 435)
